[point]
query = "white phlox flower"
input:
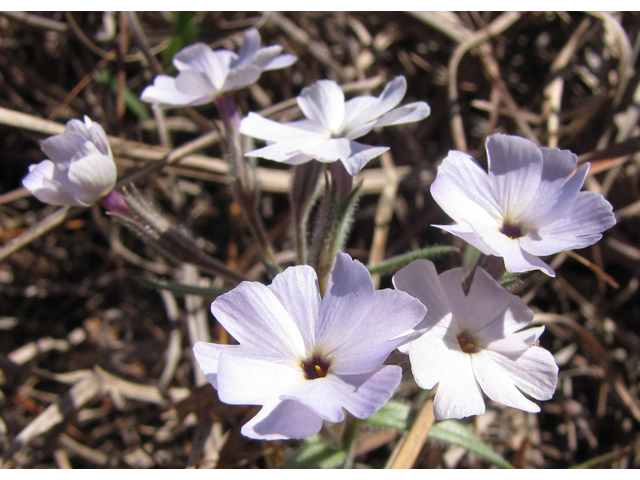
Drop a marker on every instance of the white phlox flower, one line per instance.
(79, 170)
(328, 132)
(304, 358)
(205, 74)
(475, 343)
(528, 205)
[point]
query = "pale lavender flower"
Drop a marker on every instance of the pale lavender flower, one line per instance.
(475, 343)
(328, 132)
(206, 74)
(80, 169)
(304, 358)
(528, 205)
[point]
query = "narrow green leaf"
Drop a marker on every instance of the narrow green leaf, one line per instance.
(396, 263)
(510, 280)
(394, 415)
(132, 101)
(455, 433)
(181, 288)
(315, 454)
(400, 416)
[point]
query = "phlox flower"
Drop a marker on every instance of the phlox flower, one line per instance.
(328, 132)
(80, 169)
(304, 358)
(206, 74)
(474, 343)
(528, 205)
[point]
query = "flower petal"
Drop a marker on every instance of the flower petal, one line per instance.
(250, 45)
(207, 356)
(420, 280)
(199, 58)
(515, 169)
(347, 300)
(458, 393)
(254, 316)
(323, 102)
(362, 395)
(241, 77)
(63, 147)
(581, 227)
(485, 301)
(248, 381)
(281, 61)
(164, 92)
(361, 113)
(432, 354)
(497, 385)
(39, 181)
(93, 176)
(360, 155)
(462, 190)
(557, 190)
(258, 127)
(412, 112)
(391, 317)
(195, 83)
(282, 420)
(297, 290)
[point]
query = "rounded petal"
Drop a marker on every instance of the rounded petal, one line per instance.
(39, 181)
(412, 112)
(555, 197)
(466, 233)
(258, 127)
(63, 147)
(361, 113)
(515, 169)
(346, 301)
(458, 393)
(516, 259)
(207, 355)
(420, 280)
(462, 190)
(281, 61)
(581, 227)
(360, 155)
(241, 77)
(323, 102)
(327, 149)
(250, 45)
(485, 301)
(199, 58)
(362, 395)
(498, 386)
(254, 316)
(282, 420)
(249, 381)
(297, 290)
(195, 83)
(387, 324)
(164, 92)
(432, 355)
(93, 176)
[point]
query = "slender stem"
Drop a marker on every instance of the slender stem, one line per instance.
(352, 426)
(241, 176)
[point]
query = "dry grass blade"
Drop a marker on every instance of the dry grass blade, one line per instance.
(410, 446)
(80, 394)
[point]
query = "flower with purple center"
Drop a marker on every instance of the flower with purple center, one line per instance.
(80, 169)
(304, 358)
(205, 74)
(328, 132)
(475, 343)
(528, 205)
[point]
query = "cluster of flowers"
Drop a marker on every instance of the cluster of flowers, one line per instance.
(304, 357)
